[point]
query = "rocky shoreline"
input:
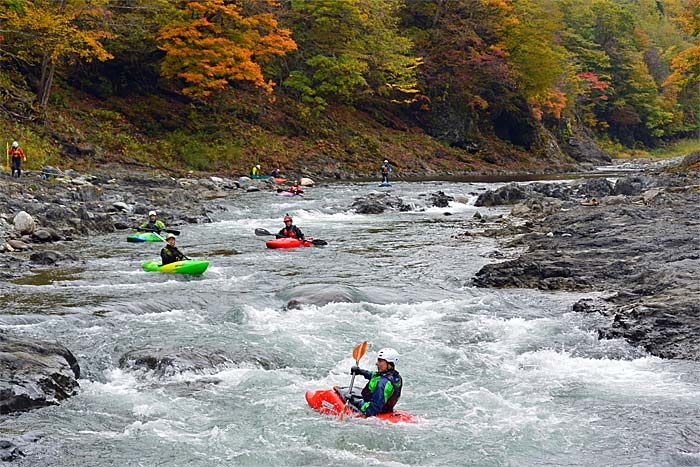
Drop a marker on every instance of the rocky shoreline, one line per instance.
(637, 241)
(41, 210)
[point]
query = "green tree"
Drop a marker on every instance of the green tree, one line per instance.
(350, 49)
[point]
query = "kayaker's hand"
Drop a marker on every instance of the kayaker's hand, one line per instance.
(356, 370)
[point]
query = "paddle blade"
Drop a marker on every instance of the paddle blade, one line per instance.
(359, 351)
(319, 242)
(261, 232)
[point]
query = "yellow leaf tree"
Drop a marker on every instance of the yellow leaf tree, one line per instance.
(50, 33)
(215, 42)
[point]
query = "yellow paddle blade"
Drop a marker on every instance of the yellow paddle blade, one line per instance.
(359, 351)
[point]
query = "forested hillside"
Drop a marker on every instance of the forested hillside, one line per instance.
(335, 86)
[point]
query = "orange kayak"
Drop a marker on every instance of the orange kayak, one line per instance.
(329, 402)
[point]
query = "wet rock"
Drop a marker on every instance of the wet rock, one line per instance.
(509, 194)
(377, 203)
(166, 362)
(119, 225)
(648, 255)
(35, 373)
(320, 295)
(440, 199)
(46, 257)
(304, 181)
(9, 451)
(633, 185)
(597, 187)
(24, 223)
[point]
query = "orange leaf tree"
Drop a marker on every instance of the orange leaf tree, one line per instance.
(213, 42)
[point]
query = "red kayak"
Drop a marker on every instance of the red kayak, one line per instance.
(288, 243)
(329, 402)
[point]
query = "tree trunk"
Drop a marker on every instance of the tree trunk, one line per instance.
(48, 67)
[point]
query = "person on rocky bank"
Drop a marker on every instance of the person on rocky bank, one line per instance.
(383, 391)
(17, 155)
(170, 253)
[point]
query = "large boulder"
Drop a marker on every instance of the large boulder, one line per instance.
(509, 194)
(377, 203)
(24, 223)
(440, 199)
(35, 373)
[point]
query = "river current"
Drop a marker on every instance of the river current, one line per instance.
(495, 377)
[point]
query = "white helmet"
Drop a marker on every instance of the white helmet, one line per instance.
(389, 354)
(151, 213)
(15, 144)
(258, 166)
(386, 161)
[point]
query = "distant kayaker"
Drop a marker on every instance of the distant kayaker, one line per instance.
(152, 224)
(296, 189)
(383, 391)
(255, 171)
(170, 253)
(17, 155)
(290, 230)
(275, 173)
(386, 169)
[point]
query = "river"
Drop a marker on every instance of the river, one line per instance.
(495, 377)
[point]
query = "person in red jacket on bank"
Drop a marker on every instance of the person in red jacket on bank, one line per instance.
(17, 155)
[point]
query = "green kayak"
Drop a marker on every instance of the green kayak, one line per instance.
(144, 237)
(189, 266)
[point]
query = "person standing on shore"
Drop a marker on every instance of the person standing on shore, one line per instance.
(17, 154)
(255, 171)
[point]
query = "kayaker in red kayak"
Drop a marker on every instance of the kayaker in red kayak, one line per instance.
(170, 253)
(383, 391)
(290, 230)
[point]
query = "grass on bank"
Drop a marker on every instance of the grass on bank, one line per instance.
(678, 148)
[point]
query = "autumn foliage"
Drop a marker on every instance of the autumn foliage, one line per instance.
(213, 43)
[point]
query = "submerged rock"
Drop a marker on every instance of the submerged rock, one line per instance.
(167, 362)
(377, 203)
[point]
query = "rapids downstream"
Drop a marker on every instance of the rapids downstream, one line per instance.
(496, 377)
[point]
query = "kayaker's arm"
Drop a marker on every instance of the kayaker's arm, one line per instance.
(356, 370)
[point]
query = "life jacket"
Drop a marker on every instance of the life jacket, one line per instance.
(385, 168)
(392, 389)
(290, 232)
(16, 153)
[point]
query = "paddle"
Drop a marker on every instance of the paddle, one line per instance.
(174, 232)
(164, 240)
(357, 353)
(314, 241)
